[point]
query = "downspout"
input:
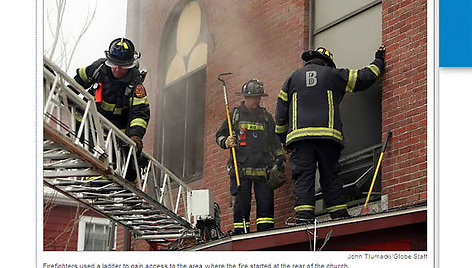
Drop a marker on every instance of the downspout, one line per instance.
(311, 12)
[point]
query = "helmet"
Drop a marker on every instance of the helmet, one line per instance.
(320, 53)
(122, 53)
(252, 88)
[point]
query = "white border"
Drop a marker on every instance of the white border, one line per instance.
(271, 257)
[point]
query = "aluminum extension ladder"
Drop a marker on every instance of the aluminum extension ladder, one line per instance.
(86, 161)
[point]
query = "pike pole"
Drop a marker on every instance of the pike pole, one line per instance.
(365, 210)
(233, 150)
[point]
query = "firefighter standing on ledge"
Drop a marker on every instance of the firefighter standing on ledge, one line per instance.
(116, 83)
(257, 147)
(309, 124)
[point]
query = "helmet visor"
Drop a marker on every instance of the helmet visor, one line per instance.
(110, 63)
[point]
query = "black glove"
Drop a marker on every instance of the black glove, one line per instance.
(380, 53)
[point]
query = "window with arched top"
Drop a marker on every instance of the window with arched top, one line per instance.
(183, 61)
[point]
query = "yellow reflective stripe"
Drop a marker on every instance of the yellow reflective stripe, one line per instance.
(315, 132)
(240, 225)
(109, 107)
(335, 208)
(304, 208)
(138, 122)
(351, 82)
(283, 95)
(78, 118)
(83, 74)
(117, 111)
(294, 111)
(254, 171)
(374, 69)
(281, 129)
(264, 220)
(279, 152)
(220, 139)
(251, 126)
(330, 109)
(138, 101)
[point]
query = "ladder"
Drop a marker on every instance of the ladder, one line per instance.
(85, 157)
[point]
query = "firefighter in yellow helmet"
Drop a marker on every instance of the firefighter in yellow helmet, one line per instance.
(258, 151)
(308, 123)
(116, 83)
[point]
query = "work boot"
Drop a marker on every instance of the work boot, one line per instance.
(239, 231)
(339, 214)
(305, 217)
(302, 221)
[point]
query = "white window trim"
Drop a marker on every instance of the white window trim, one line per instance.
(81, 232)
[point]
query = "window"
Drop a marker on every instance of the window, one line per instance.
(96, 234)
(182, 97)
(352, 30)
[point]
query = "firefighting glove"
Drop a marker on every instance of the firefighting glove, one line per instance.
(230, 142)
(286, 150)
(139, 143)
(380, 53)
(276, 175)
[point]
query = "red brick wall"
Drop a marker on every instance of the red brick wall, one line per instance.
(60, 228)
(404, 99)
(61, 225)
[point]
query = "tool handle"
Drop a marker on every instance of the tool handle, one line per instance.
(230, 127)
(233, 150)
(389, 134)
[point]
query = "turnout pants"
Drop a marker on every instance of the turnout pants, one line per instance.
(264, 204)
(305, 157)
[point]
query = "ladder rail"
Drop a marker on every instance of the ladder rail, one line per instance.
(90, 151)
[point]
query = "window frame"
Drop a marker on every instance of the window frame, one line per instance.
(170, 31)
(83, 221)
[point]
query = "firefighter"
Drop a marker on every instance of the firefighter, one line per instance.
(308, 124)
(258, 149)
(123, 99)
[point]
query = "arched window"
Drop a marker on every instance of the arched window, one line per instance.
(183, 60)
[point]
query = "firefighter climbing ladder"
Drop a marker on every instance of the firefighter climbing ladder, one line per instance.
(85, 158)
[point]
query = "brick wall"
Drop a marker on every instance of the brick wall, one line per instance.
(264, 40)
(404, 99)
(60, 228)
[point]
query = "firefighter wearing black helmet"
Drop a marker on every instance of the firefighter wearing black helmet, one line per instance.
(116, 83)
(308, 123)
(258, 150)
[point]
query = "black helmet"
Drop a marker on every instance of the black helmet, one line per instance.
(122, 53)
(252, 88)
(320, 53)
